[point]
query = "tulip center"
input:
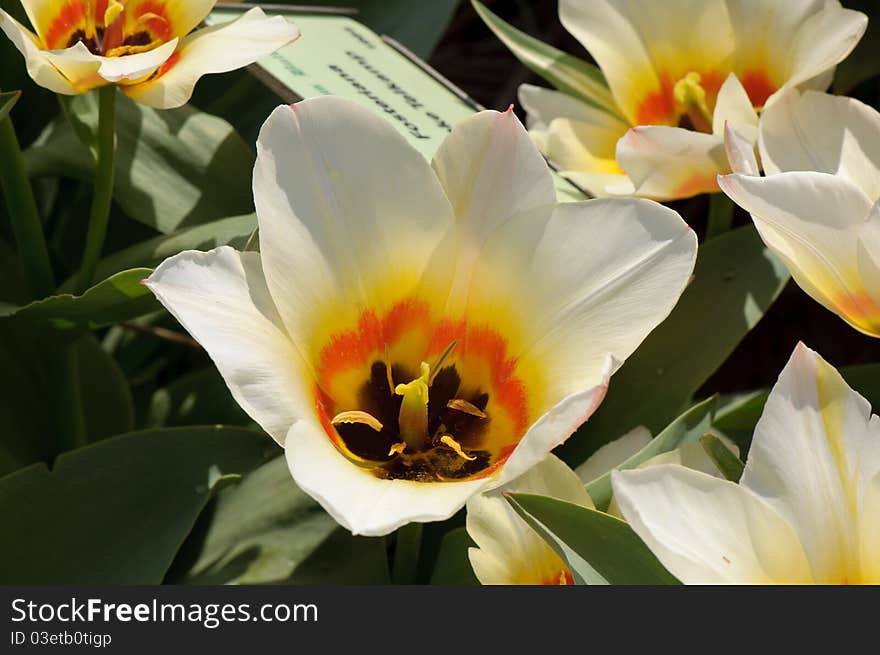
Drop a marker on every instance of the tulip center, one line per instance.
(108, 29)
(691, 103)
(427, 429)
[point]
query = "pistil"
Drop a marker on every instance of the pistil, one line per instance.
(413, 418)
(690, 97)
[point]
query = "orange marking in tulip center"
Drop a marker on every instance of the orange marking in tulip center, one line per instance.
(359, 347)
(658, 107)
(71, 16)
(160, 27)
(758, 87)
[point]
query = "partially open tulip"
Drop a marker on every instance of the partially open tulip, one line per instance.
(806, 510)
(677, 71)
(509, 551)
(818, 208)
(412, 333)
(143, 46)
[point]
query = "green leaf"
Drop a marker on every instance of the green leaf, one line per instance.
(687, 428)
(566, 73)
(196, 398)
(116, 512)
(120, 297)
(726, 461)
(30, 384)
(258, 531)
(233, 231)
(608, 545)
(7, 102)
(453, 567)
(174, 168)
(735, 281)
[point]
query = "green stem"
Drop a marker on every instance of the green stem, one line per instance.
(23, 214)
(68, 399)
(103, 192)
(720, 215)
(406, 554)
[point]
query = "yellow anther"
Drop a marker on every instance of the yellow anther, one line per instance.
(447, 440)
(114, 9)
(462, 405)
(146, 17)
(397, 448)
(413, 418)
(690, 96)
(357, 416)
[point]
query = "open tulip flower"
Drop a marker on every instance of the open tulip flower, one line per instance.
(818, 207)
(509, 551)
(806, 510)
(413, 333)
(143, 46)
(677, 71)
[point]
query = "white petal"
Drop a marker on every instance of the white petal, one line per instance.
(733, 107)
(357, 499)
(666, 163)
(345, 205)
(510, 552)
(869, 533)
(740, 153)
(819, 132)
(595, 278)
(553, 428)
(868, 260)
(39, 66)
(613, 454)
(491, 172)
(812, 222)
(221, 298)
(215, 49)
(709, 531)
(804, 458)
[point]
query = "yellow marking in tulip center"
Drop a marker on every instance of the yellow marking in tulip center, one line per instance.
(690, 99)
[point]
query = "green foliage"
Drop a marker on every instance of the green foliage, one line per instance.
(175, 168)
(146, 489)
(7, 102)
(453, 566)
(120, 297)
(724, 458)
(565, 72)
(598, 548)
(687, 428)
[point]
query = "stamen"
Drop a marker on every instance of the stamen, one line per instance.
(357, 416)
(442, 359)
(691, 98)
(114, 9)
(462, 405)
(413, 418)
(388, 370)
(447, 440)
(146, 17)
(397, 448)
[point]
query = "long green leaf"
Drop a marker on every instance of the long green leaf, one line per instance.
(175, 168)
(116, 512)
(120, 297)
(7, 102)
(565, 72)
(453, 567)
(606, 544)
(726, 461)
(30, 383)
(687, 428)
(735, 281)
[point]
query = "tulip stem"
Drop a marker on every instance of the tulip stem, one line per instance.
(720, 215)
(103, 192)
(406, 554)
(23, 214)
